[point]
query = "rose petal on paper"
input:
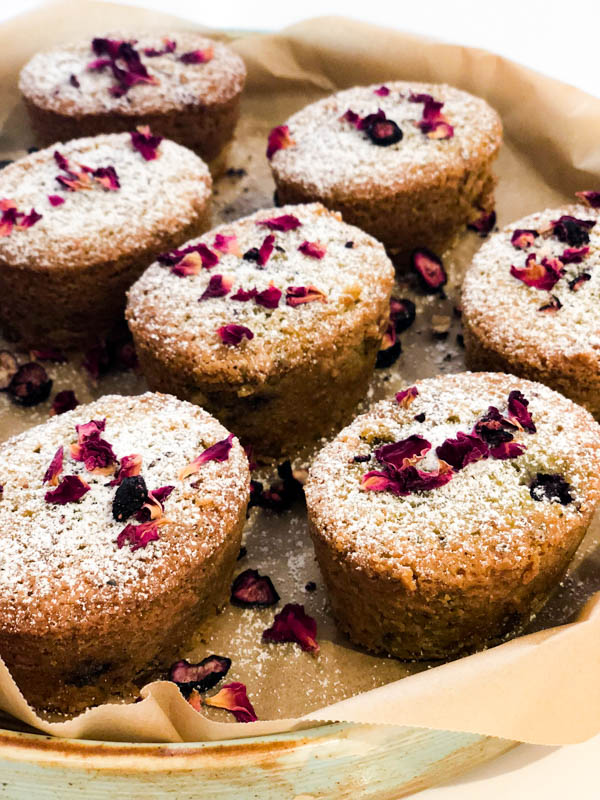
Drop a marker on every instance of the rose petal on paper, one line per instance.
(313, 249)
(284, 223)
(145, 142)
(64, 401)
(233, 698)
(279, 139)
(56, 466)
(465, 449)
(292, 624)
(30, 385)
(551, 487)
(518, 412)
(202, 676)
(539, 275)
(523, 238)
(216, 452)
(69, 490)
(269, 298)
(233, 334)
(250, 589)
(591, 199)
(138, 536)
(218, 286)
(298, 295)
(484, 224)
(129, 466)
(195, 700)
(406, 397)
(55, 200)
(197, 56)
(507, 450)
(429, 268)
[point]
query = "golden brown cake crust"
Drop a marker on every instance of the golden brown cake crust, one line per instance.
(439, 572)
(80, 618)
(419, 191)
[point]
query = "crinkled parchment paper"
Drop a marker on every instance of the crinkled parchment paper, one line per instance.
(542, 687)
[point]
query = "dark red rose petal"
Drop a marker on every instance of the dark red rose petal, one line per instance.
(64, 401)
(233, 698)
(377, 481)
(55, 468)
(406, 397)
(265, 250)
(269, 298)
(383, 91)
(96, 453)
(153, 508)
(433, 123)
(518, 411)
(218, 286)
(252, 590)
(352, 117)
(430, 269)
(465, 449)
(128, 467)
(298, 295)
(145, 142)
(543, 275)
(484, 224)
(233, 334)
(279, 139)
(202, 676)
(69, 490)
(493, 428)
(576, 283)
(169, 47)
(552, 306)
(124, 62)
(286, 222)
(591, 199)
(507, 450)
(550, 487)
(403, 453)
(572, 231)
(313, 249)
(402, 313)
(244, 295)
(523, 238)
(138, 536)
(130, 496)
(292, 624)
(8, 368)
(30, 385)
(107, 178)
(574, 255)
(216, 452)
(55, 200)
(197, 56)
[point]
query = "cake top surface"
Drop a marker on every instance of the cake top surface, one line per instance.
(327, 151)
(294, 278)
(54, 555)
(133, 74)
(490, 509)
(99, 199)
(534, 287)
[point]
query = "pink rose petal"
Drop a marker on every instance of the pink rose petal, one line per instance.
(279, 139)
(69, 490)
(286, 222)
(313, 249)
(233, 698)
(292, 624)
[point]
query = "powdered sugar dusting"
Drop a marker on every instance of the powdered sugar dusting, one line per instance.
(331, 156)
(48, 552)
(485, 516)
(95, 225)
(46, 78)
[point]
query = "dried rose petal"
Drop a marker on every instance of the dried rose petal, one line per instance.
(129, 74)
(269, 298)
(30, 385)
(55, 468)
(96, 453)
(552, 306)
(130, 496)
(8, 368)
(216, 452)
(218, 286)
(403, 453)
(484, 224)
(286, 222)
(298, 295)
(543, 275)
(507, 450)
(406, 397)
(244, 295)
(465, 449)
(69, 490)
(153, 508)
(313, 249)
(169, 47)
(523, 238)
(194, 700)
(376, 481)
(233, 697)
(352, 117)
(383, 91)
(12, 218)
(576, 283)
(252, 590)
(138, 536)
(64, 401)
(227, 244)
(197, 56)
(571, 230)
(265, 250)
(202, 676)
(107, 178)
(128, 467)
(591, 199)
(550, 487)
(292, 624)
(390, 348)
(145, 142)
(493, 428)
(430, 269)
(402, 313)
(518, 413)
(574, 255)
(279, 139)
(55, 200)
(411, 479)
(233, 334)
(433, 123)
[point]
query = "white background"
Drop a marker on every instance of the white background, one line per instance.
(561, 39)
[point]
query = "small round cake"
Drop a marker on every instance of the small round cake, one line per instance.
(120, 525)
(442, 520)
(531, 302)
(79, 222)
(185, 86)
(272, 323)
(410, 163)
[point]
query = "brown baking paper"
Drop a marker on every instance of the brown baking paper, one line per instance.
(540, 688)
